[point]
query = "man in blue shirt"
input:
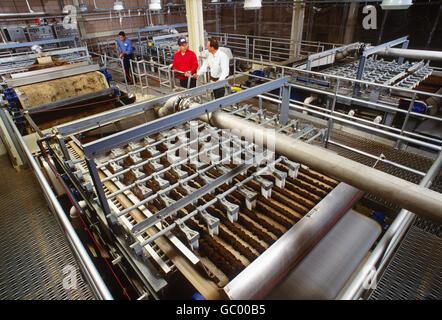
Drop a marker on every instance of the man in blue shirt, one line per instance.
(126, 53)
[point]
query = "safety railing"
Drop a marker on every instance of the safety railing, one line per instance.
(270, 48)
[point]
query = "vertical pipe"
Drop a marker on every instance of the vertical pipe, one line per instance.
(330, 120)
(284, 112)
(410, 107)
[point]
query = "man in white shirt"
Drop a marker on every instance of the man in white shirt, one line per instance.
(218, 63)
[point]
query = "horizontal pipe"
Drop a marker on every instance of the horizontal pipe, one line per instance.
(360, 125)
(407, 195)
(412, 54)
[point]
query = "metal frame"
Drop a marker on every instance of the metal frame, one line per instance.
(112, 115)
(386, 246)
(370, 51)
(170, 121)
(327, 53)
(41, 42)
(357, 122)
(158, 28)
(268, 48)
(68, 70)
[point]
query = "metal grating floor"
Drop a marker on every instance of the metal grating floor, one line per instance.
(415, 272)
(409, 159)
(33, 250)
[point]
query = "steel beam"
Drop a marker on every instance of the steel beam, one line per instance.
(30, 44)
(178, 118)
(112, 115)
(65, 72)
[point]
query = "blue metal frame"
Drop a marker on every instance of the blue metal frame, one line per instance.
(368, 52)
(120, 138)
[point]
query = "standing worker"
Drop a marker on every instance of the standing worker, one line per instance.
(127, 53)
(218, 63)
(186, 62)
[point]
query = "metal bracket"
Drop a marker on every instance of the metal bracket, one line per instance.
(211, 221)
(266, 186)
(293, 167)
(280, 177)
(191, 235)
(250, 197)
(231, 209)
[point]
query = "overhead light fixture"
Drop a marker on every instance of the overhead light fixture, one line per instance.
(118, 5)
(252, 4)
(396, 4)
(155, 5)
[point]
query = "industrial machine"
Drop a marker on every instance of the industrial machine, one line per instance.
(369, 65)
(39, 85)
(184, 196)
(175, 199)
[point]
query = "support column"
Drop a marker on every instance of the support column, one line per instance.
(195, 25)
(350, 26)
(297, 27)
(80, 23)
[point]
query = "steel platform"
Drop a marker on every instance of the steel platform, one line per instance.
(415, 272)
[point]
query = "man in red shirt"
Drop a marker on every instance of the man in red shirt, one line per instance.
(186, 62)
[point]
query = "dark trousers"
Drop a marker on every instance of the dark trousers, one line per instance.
(220, 92)
(183, 83)
(126, 64)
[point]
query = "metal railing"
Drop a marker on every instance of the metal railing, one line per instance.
(336, 83)
(270, 48)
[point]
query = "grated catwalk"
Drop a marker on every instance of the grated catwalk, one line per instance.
(33, 249)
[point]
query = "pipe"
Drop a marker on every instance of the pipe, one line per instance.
(309, 100)
(403, 193)
(359, 125)
(89, 267)
(389, 241)
(434, 103)
(412, 54)
(73, 212)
